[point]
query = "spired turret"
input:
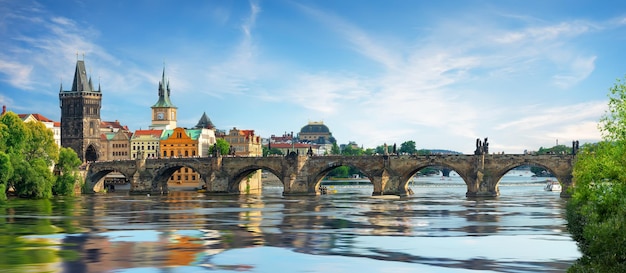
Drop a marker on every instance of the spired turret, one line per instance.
(163, 111)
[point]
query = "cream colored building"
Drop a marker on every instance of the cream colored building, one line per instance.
(244, 142)
(145, 144)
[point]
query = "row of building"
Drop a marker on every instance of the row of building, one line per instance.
(82, 129)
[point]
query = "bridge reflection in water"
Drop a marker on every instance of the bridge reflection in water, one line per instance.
(439, 230)
(302, 175)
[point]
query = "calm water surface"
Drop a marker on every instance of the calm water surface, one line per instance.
(436, 230)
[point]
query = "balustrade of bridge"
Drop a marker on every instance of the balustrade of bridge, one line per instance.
(302, 175)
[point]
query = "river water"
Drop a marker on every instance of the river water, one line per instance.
(436, 230)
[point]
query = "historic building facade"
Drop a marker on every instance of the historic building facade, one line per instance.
(115, 145)
(80, 115)
(145, 144)
(181, 143)
(244, 142)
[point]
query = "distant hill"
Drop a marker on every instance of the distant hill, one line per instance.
(442, 151)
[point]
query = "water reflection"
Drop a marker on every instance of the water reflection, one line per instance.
(438, 229)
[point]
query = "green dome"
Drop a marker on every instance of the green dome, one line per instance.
(314, 129)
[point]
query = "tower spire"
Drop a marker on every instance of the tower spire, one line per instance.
(164, 92)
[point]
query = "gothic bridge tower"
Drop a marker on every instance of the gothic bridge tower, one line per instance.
(80, 115)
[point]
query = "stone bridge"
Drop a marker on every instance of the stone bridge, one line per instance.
(302, 175)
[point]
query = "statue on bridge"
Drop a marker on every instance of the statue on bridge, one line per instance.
(481, 147)
(575, 147)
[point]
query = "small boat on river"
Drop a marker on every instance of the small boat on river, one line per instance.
(552, 185)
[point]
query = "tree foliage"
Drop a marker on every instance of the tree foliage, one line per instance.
(271, 151)
(558, 149)
(222, 145)
(28, 154)
(66, 167)
(408, 147)
(596, 213)
(335, 149)
(349, 150)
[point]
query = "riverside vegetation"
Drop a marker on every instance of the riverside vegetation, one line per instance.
(31, 164)
(596, 213)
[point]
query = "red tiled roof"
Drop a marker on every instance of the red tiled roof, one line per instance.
(37, 116)
(154, 133)
(113, 124)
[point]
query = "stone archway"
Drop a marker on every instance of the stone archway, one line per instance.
(91, 153)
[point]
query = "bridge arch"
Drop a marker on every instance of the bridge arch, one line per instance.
(163, 174)
(240, 175)
(561, 166)
(317, 175)
(406, 177)
(95, 177)
(500, 173)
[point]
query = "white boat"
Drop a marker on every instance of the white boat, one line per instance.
(553, 186)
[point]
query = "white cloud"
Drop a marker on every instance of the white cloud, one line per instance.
(578, 70)
(18, 75)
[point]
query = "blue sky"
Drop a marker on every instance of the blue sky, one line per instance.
(440, 73)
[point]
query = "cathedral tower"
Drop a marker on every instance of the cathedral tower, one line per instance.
(80, 115)
(163, 111)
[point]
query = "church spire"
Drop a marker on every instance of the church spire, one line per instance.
(164, 93)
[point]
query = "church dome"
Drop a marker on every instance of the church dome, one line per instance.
(314, 128)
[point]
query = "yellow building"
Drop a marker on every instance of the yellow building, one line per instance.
(181, 143)
(145, 144)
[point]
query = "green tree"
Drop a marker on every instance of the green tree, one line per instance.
(558, 149)
(340, 172)
(40, 143)
(67, 177)
(349, 150)
(540, 171)
(273, 151)
(369, 151)
(423, 152)
(31, 151)
(33, 179)
(6, 172)
(596, 213)
(408, 147)
(14, 136)
(222, 145)
(335, 149)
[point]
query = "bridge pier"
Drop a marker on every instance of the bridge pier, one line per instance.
(482, 184)
(566, 181)
(484, 180)
(387, 184)
(297, 180)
